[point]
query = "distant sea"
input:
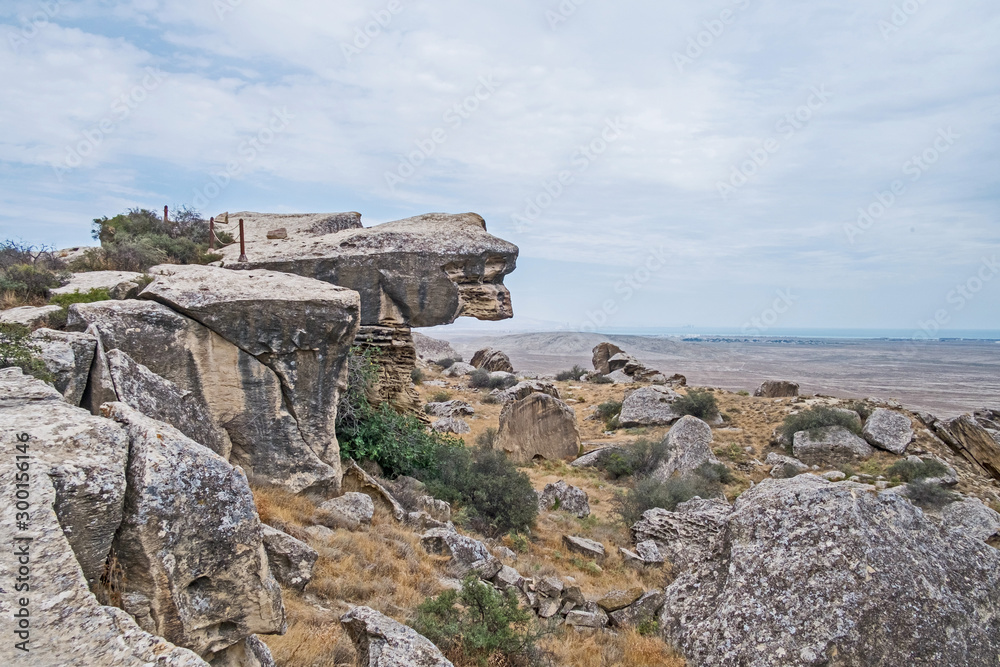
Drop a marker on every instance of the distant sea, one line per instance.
(864, 334)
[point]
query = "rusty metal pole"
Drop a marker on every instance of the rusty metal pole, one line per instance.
(243, 247)
(211, 233)
(165, 219)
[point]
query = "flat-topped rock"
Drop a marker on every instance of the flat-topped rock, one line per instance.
(777, 389)
(649, 406)
(829, 445)
(33, 317)
(119, 284)
(888, 430)
(68, 357)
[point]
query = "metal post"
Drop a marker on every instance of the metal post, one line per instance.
(165, 219)
(211, 233)
(243, 247)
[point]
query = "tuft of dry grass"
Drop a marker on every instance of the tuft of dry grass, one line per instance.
(606, 649)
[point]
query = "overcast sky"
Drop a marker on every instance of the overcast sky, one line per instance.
(658, 163)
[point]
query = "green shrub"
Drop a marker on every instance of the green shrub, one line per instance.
(446, 363)
(484, 625)
(441, 396)
(139, 238)
(417, 376)
(574, 373)
(863, 408)
(715, 472)
(743, 392)
(607, 411)
(929, 496)
(647, 493)
(490, 399)
(816, 417)
(479, 379)
(488, 438)
(505, 382)
(601, 379)
(496, 497)
(17, 349)
(90, 296)
(697, 403)
(906, 471)
(640, 457)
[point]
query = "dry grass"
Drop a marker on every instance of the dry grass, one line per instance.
(606, 649)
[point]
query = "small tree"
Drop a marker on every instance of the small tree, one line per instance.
(17, 349)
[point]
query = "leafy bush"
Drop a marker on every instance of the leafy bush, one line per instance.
(817, 417)
(907, 471)
(90, 296)
(139, 238)
(495, 496)
(17, 349)
(601, 379)
(441, 396)
(930, 496)
(505, 382)
(417, 376)
(706, 482)
(479, 379)
(863, 408)
(607, 410)
(640, 457)
(479, 623)
(574, 373)
(697, 403)
(27, 273)
(447, 362)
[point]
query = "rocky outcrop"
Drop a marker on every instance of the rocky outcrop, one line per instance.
(119, 284)
(354, 506)
(888, 430)
(382, 642)
(356, 479)
(689, 445)
(974, 519)
(449, 409)
(777, 389)
(393, 347)
(861, 579)
(649, 406)
(33, 317)
(784, 466)
(85, 456)
(160, 399)
(492, 361)
(67, 625)
(686, 536)
(431, 349)
(452, 425)
(640, 612)
(585, 547)
(193, 564)
(829, 445)
(561, 496)
(538, 426)
(300, 328)
(969, 439)
(68, 357)
(467, 555)
(602, 353)
(243, 396)
(524, 389)
(291, 560)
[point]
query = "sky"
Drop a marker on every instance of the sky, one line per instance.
(751, 164)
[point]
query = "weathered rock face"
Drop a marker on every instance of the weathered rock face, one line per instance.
(460, 369)
(829, 445)
(68, 357)
(33, 317)
(862, 578)
(84, 455)
(119, 284)
(243, 395)
(205, 592)
(649, 406)
(602, 353)
(431, 349)
(974, 519)
(356, 506)
(888, 430)
(250, 652)
(689, 443)
(492, 360)
(160, 399)
(382, 642)
(291, 560)
(585, 547)
(467, 554)
(356, 479)
(784, 466)
(684, 537)
(396, 359)
(418, 272)
(300, 328)
(68, 627)
(968, 438)
(524, 389)
(538, 425)
(451, 425)
(641, 611)
(562, 496)
(449, 409)
(777, 389)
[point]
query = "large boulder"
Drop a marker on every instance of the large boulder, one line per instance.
(68, 357)
(888, 430)
(119, 284)
(685, 536)
(160, 399)
(524, 389)
(357, 480)
(85, 456)
(291, 560)
(689, 445)
(974, 519)
(243, 396)
(431, 349)
(538, 426)
(968, 438)
(190, 545)
(419, 272)
(33, 317)
(449, 409)
(492, 360)
(67, 626)
(383, 642)
(467, 555)
(829, 445)
(805, 572)
(777, 389)
(451, 425)
(562, 496)
(602, 353)
(300, 328)
(649, 406)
